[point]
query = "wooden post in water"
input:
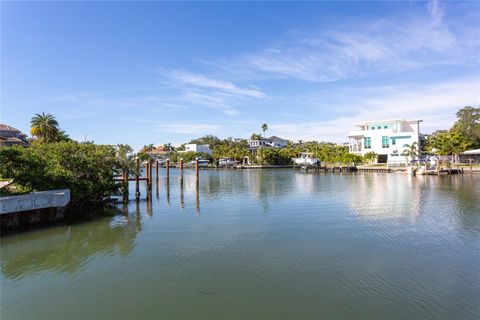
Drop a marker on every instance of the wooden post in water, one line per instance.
(471, 169)
(181, 171)
(196, 169)
(156, 170)
(125, 185)
(137, 182)
(167, 168)
(147, 172)
(150, 174)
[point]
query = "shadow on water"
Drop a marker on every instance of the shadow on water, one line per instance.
(65, 248)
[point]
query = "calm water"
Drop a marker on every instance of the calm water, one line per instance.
(260, 245)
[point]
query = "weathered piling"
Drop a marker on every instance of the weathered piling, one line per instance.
(150, 182)
(125, 185)
(196, 169)
(181, 171)
(167, 168)
(156, 170)
(147, 174)
(137, 182)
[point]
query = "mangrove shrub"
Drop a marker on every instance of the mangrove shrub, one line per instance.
(86, 169)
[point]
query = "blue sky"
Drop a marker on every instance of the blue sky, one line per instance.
(156, 72)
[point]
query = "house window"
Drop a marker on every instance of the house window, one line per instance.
(385, 143)
(384, 127)
(393, 141)
(373, 128)
(379, 127)
(367, 142)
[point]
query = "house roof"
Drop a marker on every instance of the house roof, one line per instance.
(158, 150)
(12, 140)
(361, 124)
(4, 127)
(275, 138)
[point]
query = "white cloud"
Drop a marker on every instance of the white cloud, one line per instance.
(199, 80)
(435, 9)
(189, 128)
(363, 47)
(436, 104)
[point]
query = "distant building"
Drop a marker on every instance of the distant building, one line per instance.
(272, 141)
(193, 147)
(387, 138)
(10, 136)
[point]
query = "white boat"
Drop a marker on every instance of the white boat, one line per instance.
(306, 159)
(201, 162)
(225, 162)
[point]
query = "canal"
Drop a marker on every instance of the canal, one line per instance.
(260, 244)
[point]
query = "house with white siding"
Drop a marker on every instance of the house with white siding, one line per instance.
(205, 148)
(387, 138)
(272, 141)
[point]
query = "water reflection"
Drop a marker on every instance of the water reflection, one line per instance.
(67, 248)
(329, 244)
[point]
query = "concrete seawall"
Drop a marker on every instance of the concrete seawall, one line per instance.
(32, 209)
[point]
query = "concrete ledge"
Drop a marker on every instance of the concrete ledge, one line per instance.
(35, 201)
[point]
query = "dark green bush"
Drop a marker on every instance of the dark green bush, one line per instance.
(88, 170)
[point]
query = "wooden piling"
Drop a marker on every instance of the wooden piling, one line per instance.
(137, 182)
(125, 185)
(156, 170)
(471, 168)
(150, 175)
(196, 169)
(181, 170)
(167, 168)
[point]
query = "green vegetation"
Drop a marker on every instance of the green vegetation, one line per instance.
(411, 151)
(264, 128)
(45, 128)
(88, 170)
(463, 135)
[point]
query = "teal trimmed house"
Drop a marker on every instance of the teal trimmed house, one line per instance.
(387, 138)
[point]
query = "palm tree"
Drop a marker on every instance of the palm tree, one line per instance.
(264, 128)
(410, 151)
(44, 127)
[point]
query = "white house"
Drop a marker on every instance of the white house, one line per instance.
(205, 148)
(272, 141)
(387, 138)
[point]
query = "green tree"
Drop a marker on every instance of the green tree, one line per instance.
(264, 128)
(148, 147)
(44, 126)
(168, 147)
(468, 125)
(256, 136)
(370, 157)
(88, 170)
(410, 151)
(210, 140)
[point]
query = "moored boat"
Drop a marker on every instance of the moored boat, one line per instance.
(201, 162)
(225, 162)
(306, 159)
